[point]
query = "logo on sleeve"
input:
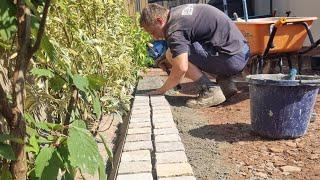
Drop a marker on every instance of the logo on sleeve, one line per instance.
(188, 10)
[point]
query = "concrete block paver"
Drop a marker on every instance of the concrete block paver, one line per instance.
(135, 167)
(140, 124)
(143, 130)
(140, 145)
(171, 157)
(139, 119)
(176, 169)
(151, 125)
(169, 146)
(141, 176)
(138, 137)
(167, 138)
(165, 131)
(135, 156)
(179, 178)
(161, 125)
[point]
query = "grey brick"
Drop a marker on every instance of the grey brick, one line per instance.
(167, 138)
(142, 176)
(169, 146)
(137, 116)
(134, 167)
(138, 137)
(171, 157)
(179, 178)
(162, 119)
(135, 156)
(140, 124)
(145, 130)
(166, 131)
(162, 125)
(140, 145)
(139, 119)
(167, 115)
(176, 169)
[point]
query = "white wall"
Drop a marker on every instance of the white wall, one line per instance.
(300, 8)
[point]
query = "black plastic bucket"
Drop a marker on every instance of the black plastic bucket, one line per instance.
(281, 108)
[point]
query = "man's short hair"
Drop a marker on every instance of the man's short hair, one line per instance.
(151, 12)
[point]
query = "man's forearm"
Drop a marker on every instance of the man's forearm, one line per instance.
(173, 80)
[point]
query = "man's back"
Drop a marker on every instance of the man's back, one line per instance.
(204, 24)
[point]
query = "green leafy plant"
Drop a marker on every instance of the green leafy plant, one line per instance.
(55, 86)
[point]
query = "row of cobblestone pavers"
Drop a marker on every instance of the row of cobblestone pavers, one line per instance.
(153, 147)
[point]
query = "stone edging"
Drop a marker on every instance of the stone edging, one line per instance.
(153, 147)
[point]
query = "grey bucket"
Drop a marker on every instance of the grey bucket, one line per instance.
(281, 108)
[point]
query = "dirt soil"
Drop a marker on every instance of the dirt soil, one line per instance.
(220, 144)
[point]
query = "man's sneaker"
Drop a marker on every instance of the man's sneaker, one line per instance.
(228, 87)
(207, 97)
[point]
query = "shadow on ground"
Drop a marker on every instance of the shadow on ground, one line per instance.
(226, 132)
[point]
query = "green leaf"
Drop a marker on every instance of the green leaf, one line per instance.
(7, 152)
(97, 107)
(7, 20)
(56, 83)
(109, 152)
(102, 171)
(5, 173)
(33, 142)
(50, 126)
(51, 171)
(5, 137)
(42, 72)
(31, 131)
(79, 124)
(83, 150)
(42, 160)
(81, 82)
(47, 164)
(48, 48)
(96, 81)
(29, 118)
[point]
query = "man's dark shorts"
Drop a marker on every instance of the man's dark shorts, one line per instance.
(212, 62)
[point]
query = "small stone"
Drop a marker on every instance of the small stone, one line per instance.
(260, 174)
(290, 169)
(275, 150)
(241, 143)
(286, 173)
(314, 156)
(291, 144)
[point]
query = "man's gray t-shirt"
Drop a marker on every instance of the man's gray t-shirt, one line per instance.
(205, 24)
